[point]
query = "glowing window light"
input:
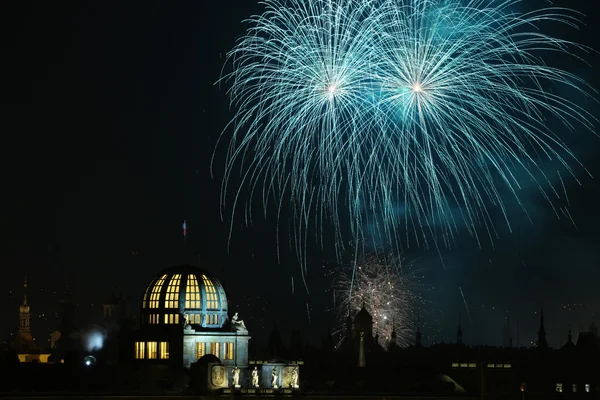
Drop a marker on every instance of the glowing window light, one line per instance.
(215, 349)
(171, 319)
(192, 293)
(164, 351)
(212, 301)
(140, 348)
(229, 351)
(154, 319)
(155, 295)
(559, 388)
(172, 297)
(200, 350)
(152, 350)
(146, 295)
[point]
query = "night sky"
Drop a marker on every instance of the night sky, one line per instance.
(111, 116)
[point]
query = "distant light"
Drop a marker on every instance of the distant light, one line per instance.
(89, 361)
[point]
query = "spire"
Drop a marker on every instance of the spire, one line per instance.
(570, 340)
(459, 333)
(542, 341)
(25, 291)
(24, 317)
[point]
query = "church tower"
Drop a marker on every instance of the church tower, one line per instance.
(363, 322)
(25, 317)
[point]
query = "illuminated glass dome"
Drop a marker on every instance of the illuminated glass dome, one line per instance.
(184, 293)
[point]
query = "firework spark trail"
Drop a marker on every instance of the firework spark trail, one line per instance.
(386, 291)
(465, 301)
(350, 108)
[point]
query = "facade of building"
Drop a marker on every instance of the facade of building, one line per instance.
(183, 317)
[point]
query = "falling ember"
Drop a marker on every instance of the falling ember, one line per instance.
(465, 301)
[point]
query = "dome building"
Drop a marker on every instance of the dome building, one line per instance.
(184, 316)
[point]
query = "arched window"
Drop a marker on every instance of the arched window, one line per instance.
(172, 298)
(192, 293)
(212, 300)
(155, 295)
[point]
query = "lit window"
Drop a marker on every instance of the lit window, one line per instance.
(171, 319)
(559, 388)
(490, 365)
(587, 387)
(152, 350)
(212, 319)
(164, 351)
(146, 294)
(574, 388)
(155, 295)
(200, 350)
(464, 365)
(192, 293)
(198, 319)
(229, 351)
(507, 366)
(215, 349)
(454, 365)
(472, 365)
(212, 301)
(153, 319)
(499, 365)
(172, 298)
(140, 348)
